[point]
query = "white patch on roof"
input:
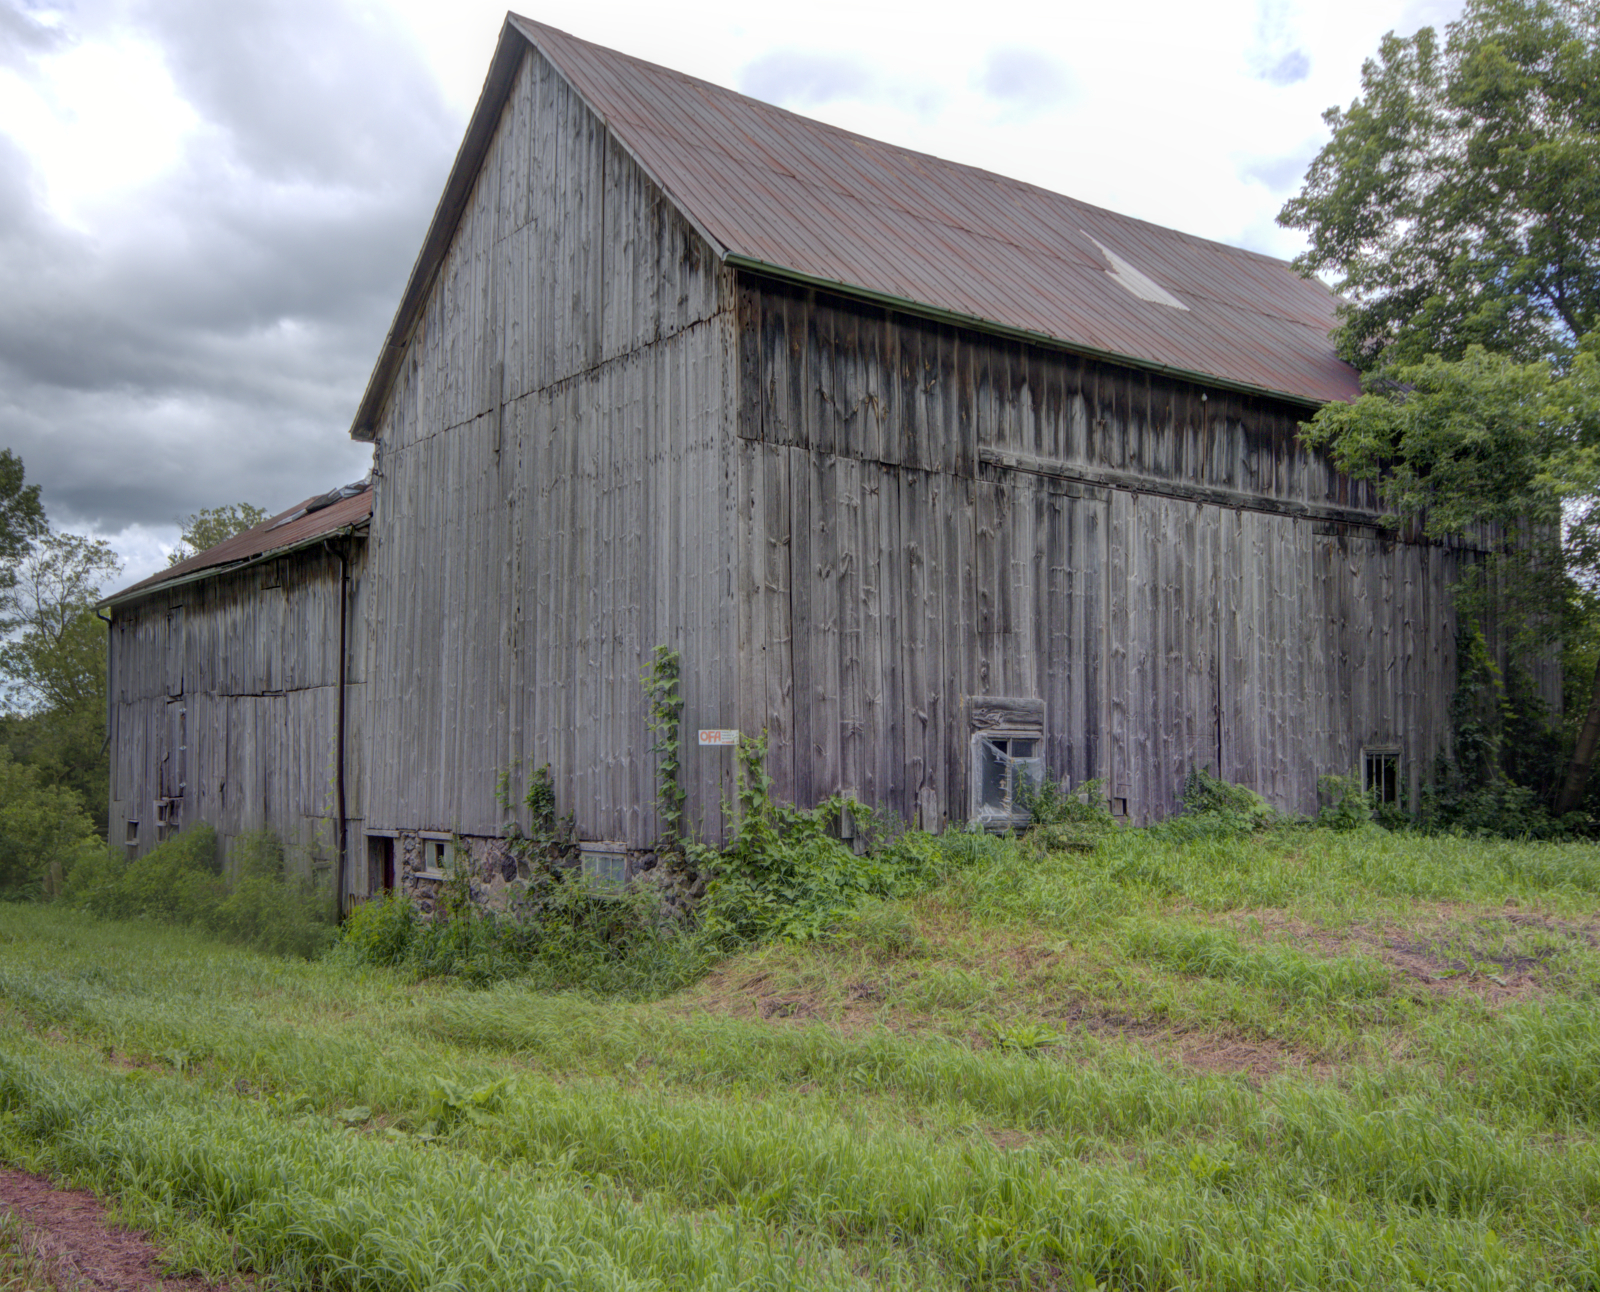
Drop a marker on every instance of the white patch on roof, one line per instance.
(1125, 275)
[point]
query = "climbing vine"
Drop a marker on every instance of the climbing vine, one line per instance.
(665, 718)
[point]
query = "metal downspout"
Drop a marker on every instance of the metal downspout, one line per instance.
(343, 881)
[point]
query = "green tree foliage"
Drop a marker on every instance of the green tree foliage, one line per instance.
(21, 514)
(53, 665)
(1459, 198)
(1458, 205)
(212, 525)
(44, 832)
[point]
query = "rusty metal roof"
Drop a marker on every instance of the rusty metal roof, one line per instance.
(305, 523)
(780, 193)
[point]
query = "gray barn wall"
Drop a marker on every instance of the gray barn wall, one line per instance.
(930, 514)
(552, 495)
(252, 657)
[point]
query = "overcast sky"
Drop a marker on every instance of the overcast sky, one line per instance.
(208, 210)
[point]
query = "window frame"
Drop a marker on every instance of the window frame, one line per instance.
(603, 866)
(993, 746)
(1386, 758)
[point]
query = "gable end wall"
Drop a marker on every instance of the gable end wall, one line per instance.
(552, 491)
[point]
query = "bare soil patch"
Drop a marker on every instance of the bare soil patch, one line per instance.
(869, 1002)
(1451, 950)
(79, 1248)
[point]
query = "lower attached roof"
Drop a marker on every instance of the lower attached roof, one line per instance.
(300, 526)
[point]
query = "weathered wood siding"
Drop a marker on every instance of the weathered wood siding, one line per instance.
(553, 492)
(929, 515)
(251, 659)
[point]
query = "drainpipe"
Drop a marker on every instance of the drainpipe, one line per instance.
(106, 744)
(343, 872)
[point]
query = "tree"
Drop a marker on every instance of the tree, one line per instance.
(1458, 204)
(43, 832)
(1459, 198)
(21, 515)
(212, 525)
(53, 664)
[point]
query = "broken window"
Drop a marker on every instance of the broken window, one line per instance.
(1004, 767)
(1380, 775)
(438, 854)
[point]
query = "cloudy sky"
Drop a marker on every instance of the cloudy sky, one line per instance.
(207, 211)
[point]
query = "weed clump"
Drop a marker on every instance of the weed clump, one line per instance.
(562, 934)
(1065, 820)
(180, 881)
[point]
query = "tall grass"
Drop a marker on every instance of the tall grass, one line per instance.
(333, 1124)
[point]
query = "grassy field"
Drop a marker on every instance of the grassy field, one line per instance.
(1297, 1060)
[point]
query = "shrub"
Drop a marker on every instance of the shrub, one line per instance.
(1213, 807)
(1345, 806)
(179, 881)
(380, 931)
(268, 909)
(44, 833)
(1068, 820)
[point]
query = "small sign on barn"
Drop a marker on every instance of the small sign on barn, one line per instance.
(719, 737)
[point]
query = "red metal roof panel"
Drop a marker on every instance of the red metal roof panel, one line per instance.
(280, 533)
(826, 204)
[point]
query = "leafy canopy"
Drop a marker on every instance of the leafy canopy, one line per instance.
(21, 514)
(55, 657)
(1458, 205)
(212, 525)
(1458, 202)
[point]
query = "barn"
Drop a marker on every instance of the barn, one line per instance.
(234, 687)
(930, 474)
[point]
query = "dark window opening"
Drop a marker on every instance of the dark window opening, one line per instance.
(438, 854)
(1380, 775)
(380, 864)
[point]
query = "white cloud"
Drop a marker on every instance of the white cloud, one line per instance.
(207, 211)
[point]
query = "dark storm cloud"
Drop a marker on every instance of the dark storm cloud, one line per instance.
(208, 341)
(793, 78)
(1025, 79)
(22, 35)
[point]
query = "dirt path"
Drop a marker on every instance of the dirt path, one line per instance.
(79, 1248)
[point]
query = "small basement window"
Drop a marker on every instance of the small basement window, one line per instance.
(605, 865)
(1004, 766)
(438, 854)
(1380, 775)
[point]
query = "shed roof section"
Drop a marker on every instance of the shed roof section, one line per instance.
(305, 523)
(782, 193)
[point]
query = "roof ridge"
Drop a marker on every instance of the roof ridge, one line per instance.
(814, 123)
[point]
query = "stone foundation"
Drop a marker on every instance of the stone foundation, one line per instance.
(497, 878)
